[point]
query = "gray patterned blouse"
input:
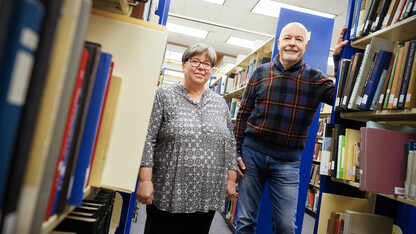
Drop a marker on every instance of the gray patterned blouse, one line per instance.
(190, 147)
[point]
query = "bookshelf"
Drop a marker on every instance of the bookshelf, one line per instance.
(137, 48)
(399, 207)
(237, 90)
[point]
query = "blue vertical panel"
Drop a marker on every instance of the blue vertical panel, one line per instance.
(162, 11)
(316, 55)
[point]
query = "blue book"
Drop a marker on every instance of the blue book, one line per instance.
(382, 63)
(15, 72)
(378, 90)
(406, 75)
(354, 26)
(90, 130)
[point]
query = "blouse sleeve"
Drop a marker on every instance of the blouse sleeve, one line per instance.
(230, 145)
(153, 130)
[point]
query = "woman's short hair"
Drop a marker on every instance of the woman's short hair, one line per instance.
(199, 48)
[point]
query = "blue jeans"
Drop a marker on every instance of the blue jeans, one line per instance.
(283, 178)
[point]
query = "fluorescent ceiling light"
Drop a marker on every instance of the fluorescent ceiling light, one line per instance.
(173, 73)
(220, 2)
(240, 42)
(186, 30)
(172, 55)
(271, 8)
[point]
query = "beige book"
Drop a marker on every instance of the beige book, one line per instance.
(103, 139)
(367, 223)
(352, 136)
(411, 89)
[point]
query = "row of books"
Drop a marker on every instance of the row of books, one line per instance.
(237, 80)
(372, 15)
(230, 211)
(234, 105)
(381, 77)
(315, 177)
(379, 157)
(312, 199)
(358, 222)
(93, 216)
(56, 131)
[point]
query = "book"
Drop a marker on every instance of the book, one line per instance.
(338, 203)
(332, 221)
(371, 16)
(381, 14)
(67, 132)
(339, 129)
(386, 81)
(80, 225)
(341, 155)
(401, 74)
(390, 13)
(380, 85)
(343, 74)
(352, 76)
(363, 222)
(352, 136)
(79, 177)
(356, 16)
(15, 70)
(411, 89)
(410, 153)
(382, 160)
(100, 121)
(368, 7)
(382, 63)
(375, 45)
(399, 54)
(47, 116)
(73, 148)
(399, 11)
(6, 13)
(325, 167)
(412, 161)
(361, 18)
(406, 74)
(407, 9)
(64, 109)
(30, 110)
(106, 130)
(388, 103)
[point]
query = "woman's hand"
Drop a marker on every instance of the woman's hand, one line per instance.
(232, 177)
(144, 191)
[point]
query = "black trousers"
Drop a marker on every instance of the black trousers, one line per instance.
(162, 222)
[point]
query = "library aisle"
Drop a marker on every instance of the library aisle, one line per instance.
(218, 224)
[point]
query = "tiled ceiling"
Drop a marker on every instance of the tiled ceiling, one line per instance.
(237, 14)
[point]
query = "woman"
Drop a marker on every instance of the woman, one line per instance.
(189, 159)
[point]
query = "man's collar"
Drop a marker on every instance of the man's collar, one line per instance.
(280, 66)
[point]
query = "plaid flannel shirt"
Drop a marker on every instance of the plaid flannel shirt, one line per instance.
(278, 105)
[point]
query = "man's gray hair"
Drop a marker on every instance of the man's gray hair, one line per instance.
(298, 24)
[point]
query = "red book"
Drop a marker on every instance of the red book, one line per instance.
(382, 160)
(68, 126)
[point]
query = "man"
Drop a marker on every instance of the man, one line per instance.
(277, 109)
